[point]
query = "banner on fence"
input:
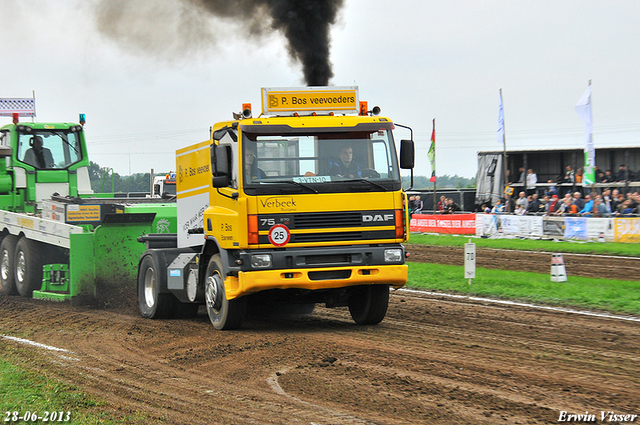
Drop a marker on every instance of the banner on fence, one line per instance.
(457, 224)
(626, 230)
(600, 230)
(553, 227)
(486, 224)
(575, 228)
(495, 225)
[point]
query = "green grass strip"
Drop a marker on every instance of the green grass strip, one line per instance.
(603, 294)
(605, 248)
(23, 388)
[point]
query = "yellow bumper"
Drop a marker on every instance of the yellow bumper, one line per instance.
(255, 281)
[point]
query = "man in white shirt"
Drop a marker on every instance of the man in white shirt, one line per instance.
(532, 179)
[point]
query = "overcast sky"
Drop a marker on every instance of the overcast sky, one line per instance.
(174, 72)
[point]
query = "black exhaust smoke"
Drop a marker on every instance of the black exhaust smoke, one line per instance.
(304, 23)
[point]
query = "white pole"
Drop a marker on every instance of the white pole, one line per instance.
(470, 261)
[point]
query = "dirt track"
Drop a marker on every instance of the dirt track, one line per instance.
(431, 361)
(611, 267)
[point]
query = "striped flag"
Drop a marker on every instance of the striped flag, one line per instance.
(432, 153)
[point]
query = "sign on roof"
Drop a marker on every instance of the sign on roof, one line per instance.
(22, 107)
(310, 99)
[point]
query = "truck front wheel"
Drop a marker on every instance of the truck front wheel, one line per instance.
(223, 313)
(28, 266)
(7, 268)
(368, 304)
(151, 277)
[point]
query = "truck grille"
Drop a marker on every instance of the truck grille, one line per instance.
(327, 237)
(335, 236)
(329, 219)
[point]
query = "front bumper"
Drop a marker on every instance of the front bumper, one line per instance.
(315, 278)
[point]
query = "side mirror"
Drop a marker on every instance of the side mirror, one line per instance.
(221, 165)
(407, 154)
(221, 181)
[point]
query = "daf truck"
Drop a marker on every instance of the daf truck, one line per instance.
(301, 205)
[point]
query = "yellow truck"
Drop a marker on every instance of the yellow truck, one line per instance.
(299, 206)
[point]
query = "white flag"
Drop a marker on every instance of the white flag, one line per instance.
(583, 108)
(501, 122)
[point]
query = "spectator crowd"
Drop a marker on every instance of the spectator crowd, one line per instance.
(610, 203)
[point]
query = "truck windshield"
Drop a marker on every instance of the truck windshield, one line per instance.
(49, 149)
(360, 159)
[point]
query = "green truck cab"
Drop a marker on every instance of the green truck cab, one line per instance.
(40, 159)
(58, 240)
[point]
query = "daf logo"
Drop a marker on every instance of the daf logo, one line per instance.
(377, 217)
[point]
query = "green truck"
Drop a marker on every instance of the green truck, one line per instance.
(60, 240)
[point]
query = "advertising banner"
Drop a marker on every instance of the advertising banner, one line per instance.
(276, 100)
(590, 229)
(486, 225)
(457, 224)
(575, 228)
(497, 224)
(600, 229)
(553, 226)
(626, 230)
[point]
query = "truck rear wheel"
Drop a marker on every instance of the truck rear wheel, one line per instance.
(7, 268)
(151, 278)
(223, 313)
(28, 266)
(368, 304)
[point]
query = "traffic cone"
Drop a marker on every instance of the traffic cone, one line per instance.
(558, 272)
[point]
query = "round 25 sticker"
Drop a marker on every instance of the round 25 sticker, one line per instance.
(279, 235)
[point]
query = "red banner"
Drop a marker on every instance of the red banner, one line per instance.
(458, 224)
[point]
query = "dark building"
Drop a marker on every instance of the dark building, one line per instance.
(551, 164)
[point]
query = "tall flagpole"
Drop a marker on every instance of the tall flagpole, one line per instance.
(502, 135)
(432, 159)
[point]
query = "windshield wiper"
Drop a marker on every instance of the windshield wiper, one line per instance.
(64, 138)
(292, 182)
(361, 179)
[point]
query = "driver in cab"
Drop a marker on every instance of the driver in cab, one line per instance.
(38, 155)
(345, 166)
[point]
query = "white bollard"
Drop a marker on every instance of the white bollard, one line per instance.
(470, 261)
(558, 272)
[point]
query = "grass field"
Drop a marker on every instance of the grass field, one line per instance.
(601, 294)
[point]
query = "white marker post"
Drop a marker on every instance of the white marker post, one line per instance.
(469, 261)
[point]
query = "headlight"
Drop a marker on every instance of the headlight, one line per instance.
(261, 261)
(392, 255)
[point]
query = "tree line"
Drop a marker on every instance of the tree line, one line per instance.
(442, 182)
(103, 179)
